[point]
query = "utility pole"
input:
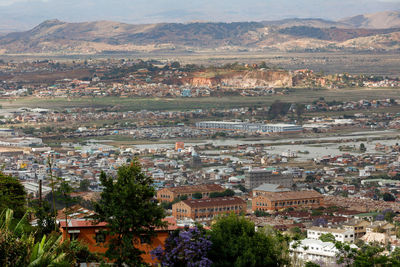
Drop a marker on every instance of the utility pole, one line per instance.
(52, 184)
(40, 193)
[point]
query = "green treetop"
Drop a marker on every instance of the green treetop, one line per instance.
(127, 206)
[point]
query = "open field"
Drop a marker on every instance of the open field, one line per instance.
(134, 104)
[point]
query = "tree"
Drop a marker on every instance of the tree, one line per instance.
(12, 195)
(226, 193)
(197, 195)
(236, 243)
(310, 179)
(388, 197)
(367, 255)
(187, 247)
(127, 205)
(311, 264)
(300, 110)
(84, 185)
(362, 147)
(45, 217)
(327, 238)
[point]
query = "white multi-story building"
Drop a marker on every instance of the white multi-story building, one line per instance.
(249, 127)
(342, 235)
(317, 251)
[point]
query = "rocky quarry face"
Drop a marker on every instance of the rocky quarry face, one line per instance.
(247, 79)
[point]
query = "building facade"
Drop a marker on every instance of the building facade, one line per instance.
(342, 235)
(250, 127)
(97, 241)
(359, 228)
(273, 201)
(170, 193)
(207, 209)
(315, 251)
(257, 177)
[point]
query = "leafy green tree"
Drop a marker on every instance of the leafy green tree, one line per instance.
(327, 238)
(127, 205)
(236, 243)
(45, 217)
(84, 185)
(12, 195)
(365, 256)
(311, 264)
(362, 147)
(226, 193)
(197, 195)
(388, 197)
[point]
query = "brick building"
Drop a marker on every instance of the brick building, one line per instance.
(170, 193)
(269, 201)
(207, 209)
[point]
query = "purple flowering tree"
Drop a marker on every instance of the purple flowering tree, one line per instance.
(186, 247)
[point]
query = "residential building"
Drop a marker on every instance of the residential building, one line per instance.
(359, 227)
(381, 227)
(314, 250)
(270, 201)
(171, 193)
(207, 209)
(257, 177)
(342, 235)
(92, 235)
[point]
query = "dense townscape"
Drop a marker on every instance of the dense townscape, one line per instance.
(317, 180)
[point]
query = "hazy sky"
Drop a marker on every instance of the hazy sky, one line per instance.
(23, 14)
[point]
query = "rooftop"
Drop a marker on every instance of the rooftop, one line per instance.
(330, 230)
(196, 188)
(271, 188)
(291, 195)
(210, 202)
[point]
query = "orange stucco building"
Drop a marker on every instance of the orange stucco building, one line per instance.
(92, 235)
(170, 193)
(270, 201)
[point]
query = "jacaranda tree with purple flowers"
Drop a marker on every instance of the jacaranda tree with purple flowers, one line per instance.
(185, 247)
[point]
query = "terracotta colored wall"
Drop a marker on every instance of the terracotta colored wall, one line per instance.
(87, 236)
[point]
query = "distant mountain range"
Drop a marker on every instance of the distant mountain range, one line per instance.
(379, 32)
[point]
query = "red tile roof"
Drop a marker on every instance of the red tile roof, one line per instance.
(211, 202)
(171, 223)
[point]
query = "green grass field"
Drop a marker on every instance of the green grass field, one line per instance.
(135, 104)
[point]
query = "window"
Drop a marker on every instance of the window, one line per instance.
(73, 236)
(144, 239)
(100, 237)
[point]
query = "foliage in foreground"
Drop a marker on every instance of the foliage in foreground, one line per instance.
(127, 206)
(187, 247)
(19, 247)
(235, 242)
